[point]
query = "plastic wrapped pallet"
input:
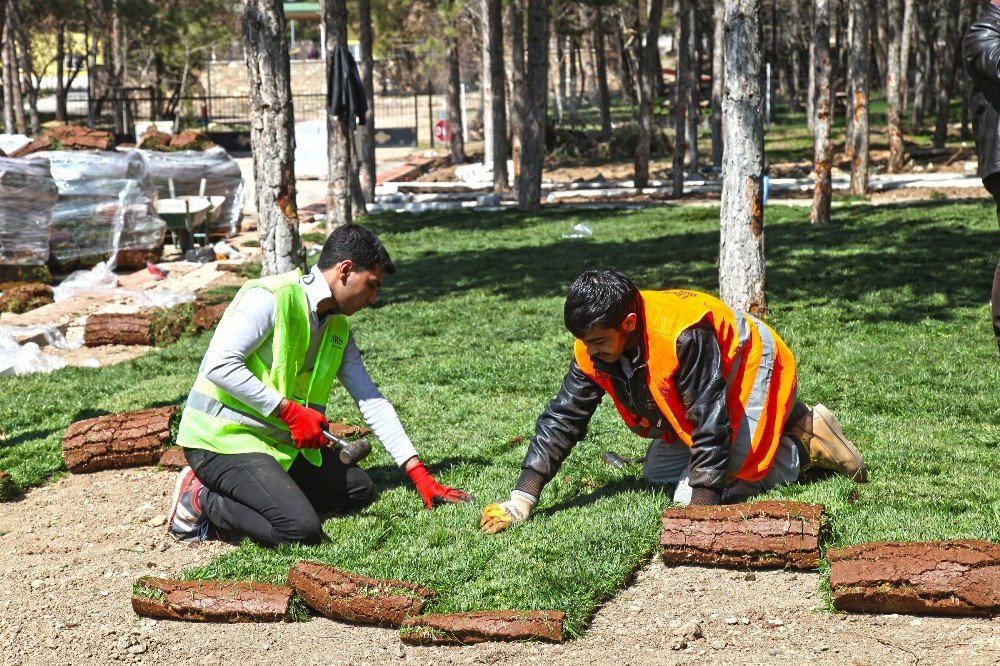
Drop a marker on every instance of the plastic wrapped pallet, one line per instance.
(188, 167)
(27, 196)
(107, 206)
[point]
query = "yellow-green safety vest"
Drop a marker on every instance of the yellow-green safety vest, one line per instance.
(216, 421)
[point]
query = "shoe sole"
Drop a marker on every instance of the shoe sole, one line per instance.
(861, 476)
(173, 504)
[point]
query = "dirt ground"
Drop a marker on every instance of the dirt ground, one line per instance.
(69, 552)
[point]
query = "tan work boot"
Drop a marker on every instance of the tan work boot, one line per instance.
(823, 437)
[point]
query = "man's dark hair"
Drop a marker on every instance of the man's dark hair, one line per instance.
(360, 245)
(602, 297)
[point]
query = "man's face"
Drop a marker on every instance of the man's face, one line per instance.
(608, 344)
(354, 289)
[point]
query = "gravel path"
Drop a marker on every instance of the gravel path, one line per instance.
(70, 551)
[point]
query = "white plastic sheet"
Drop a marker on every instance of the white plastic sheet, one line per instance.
(22, 359)
(27, 196)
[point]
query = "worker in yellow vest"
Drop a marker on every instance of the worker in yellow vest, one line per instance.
(713, 388)
(252, 427)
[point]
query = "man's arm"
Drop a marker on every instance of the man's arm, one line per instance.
(563, 423)
(237, 336)
(560, 427)
(981, 50)
(381, 417)
(377, 412)
(703, 389)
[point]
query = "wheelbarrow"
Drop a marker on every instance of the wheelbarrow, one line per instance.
(185, 216)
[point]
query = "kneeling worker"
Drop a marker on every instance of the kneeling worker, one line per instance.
(713, 388)
(252, 426)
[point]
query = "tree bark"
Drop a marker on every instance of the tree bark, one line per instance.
(822, 146)
(693, 79)
(860, 58)
(9, 77)
(497, 111)
(946, 60)
(367, 131)
(487, 84)
(272, 137)
(117, 68)
(535, 103)
(575, 75)
(681, 98)
(340, 171)
(905, 36)
(604, 96)
(455, 103)
(60, 75)
(849, 82)
(741, 247)
(718, 80)
(26, 65)
(892, 85)
(515, 28)
(921, 70)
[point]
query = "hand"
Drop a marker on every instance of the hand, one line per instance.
(432, 491)
(306, 425)
(500, 516)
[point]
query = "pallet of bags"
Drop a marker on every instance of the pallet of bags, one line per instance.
(187, 168)
(27, 196)
(106, 206)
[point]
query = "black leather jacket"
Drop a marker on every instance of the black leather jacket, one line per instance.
(981, 55)
(702, 386)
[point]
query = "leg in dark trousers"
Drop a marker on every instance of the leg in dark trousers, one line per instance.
(992, 184)
(249, 493)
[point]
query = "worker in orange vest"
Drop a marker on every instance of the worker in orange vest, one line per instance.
(713, 388)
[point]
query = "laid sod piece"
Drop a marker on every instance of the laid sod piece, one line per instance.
(173, 458)
(344, 595)
(134, 328)
(761, 535)
(127, 439)
(930, 578)
(22, 298)
(210, 601)
(7, 486)
(482, 626)
(206, 317)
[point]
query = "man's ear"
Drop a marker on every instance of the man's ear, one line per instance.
(630, 322)
(344, 269)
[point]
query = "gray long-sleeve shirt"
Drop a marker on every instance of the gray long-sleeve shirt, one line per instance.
(249, 328)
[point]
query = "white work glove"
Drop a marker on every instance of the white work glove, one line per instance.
(501, 515)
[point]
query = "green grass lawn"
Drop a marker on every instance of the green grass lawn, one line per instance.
(886, 310)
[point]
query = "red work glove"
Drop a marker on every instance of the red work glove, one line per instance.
(432, 491)
(305, 425)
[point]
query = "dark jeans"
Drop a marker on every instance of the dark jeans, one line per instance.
(249, 493)
(992, 183)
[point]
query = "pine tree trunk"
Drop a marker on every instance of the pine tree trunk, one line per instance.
(860, 58)
(822, 146)
(948, 40)
(532, 155)
(13, 70)
(117, 68)
(741, 247)
(23, 49)
(9, 78)
(849, 82)
(922, 68)
(648, 57)
(604, 96)
(718, 80)
(486, 85)
(339, 200)
(892, 81)
(497, 110)
(693, 77)
(575, 74)
(561, 89)
(272, 136)
(905, 37)
(455, 103)
(367, 131)
(515, 28)
(60, 72)
(683, 36)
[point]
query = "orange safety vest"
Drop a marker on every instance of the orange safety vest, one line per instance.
(758, 366)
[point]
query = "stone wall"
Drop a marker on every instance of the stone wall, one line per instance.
(229, 78)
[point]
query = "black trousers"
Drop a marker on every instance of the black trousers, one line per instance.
(250, 494)
(992, 183)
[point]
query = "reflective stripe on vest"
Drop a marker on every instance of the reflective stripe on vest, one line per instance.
(758, 366)
(217, 421)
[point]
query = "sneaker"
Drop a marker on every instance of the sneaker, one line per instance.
(188, 522)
